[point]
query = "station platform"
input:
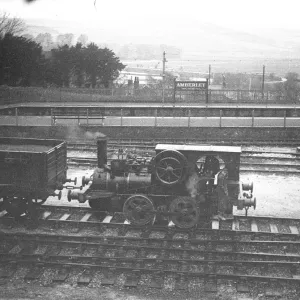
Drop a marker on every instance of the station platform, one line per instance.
(150, 109)
(146, 105)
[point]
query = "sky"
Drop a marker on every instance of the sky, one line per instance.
(155, 14)
(202, 27)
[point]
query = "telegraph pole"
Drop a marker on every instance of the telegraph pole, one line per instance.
(263, 82)
(209, 72)
(163, 76)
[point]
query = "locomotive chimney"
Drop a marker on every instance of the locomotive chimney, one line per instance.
(102, 150)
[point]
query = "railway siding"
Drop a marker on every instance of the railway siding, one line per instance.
(204, 261)
(157, 133)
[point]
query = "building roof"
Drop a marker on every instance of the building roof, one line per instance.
(199, 148)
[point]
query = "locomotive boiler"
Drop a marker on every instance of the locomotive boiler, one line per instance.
(184, 183)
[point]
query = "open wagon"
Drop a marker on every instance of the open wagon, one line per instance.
(31, 171)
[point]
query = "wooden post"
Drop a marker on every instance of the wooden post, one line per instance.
(112, 91)
(221, 113)
(102, 113)
(121, 116)
(174, 90)
(189, 119)
(87, 116)
(206, 92)
(51, 115)
(263, 83)
(253, 118)
(16, 114)
(284, 118)
(78, 119)
(163, 76)
(155, 120)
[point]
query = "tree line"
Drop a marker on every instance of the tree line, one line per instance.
(23, 62)
(48, 43)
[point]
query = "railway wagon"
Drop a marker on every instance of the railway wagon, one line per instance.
(183, 183)
(31, 171)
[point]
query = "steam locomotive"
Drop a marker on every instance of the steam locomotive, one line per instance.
(183, 183)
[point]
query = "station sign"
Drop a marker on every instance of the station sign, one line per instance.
(191, 85)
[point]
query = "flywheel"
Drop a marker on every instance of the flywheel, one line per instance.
(184, 212)
(170, 167)
(139, 210)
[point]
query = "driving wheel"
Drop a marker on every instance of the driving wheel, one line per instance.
(139, 210)
(184, 212)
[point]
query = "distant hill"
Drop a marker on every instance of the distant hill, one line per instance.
(36, 29)
(196, 38)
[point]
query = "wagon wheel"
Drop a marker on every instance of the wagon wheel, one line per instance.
(170, 166)
(139, 210)
(185, 212)
(15, 206)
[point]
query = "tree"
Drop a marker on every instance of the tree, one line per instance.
(13, 26)
(77, 64)
(61, 66)
(65, 39)
(289, 90)
(82, 39)
(77, 54)
(20, 61)
(291, 87)
(102, 65)
(45, 40)
(28, 36)
(155, 86)
(91, 62)
(109, 67)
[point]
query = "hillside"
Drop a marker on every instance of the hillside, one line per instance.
(196, 37)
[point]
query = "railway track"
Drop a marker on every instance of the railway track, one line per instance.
(150, 143)
(77, 219)
(149, 147)
(193, 258)
(285, 165)
(252, 160)
(158, 254)
(75, 243)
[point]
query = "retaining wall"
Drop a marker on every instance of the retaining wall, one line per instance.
(213, 133)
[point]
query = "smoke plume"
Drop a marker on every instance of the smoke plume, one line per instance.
(192, 184)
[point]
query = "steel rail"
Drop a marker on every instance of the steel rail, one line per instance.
(136, 265)
(145, 242)
(50, 215)
(155, 271)
(38, 258)
(231, 256)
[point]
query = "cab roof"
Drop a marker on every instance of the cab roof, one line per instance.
(199, 148)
